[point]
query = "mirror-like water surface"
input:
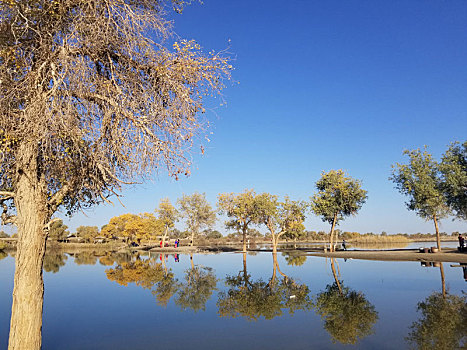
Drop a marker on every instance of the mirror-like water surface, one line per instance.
(253, 301)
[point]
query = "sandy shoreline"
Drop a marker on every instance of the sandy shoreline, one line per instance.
(447, 255)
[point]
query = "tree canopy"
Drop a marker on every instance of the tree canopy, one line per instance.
(241, 209)
(453, 167)
(197, 212)
(338, 196)
(421, 181)
(281, 218)
(58, 231)
(133, 228)
(88, 233)
(103, 104)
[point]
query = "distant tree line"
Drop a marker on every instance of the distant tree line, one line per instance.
(435, 190)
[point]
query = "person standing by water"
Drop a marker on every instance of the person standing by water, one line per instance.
(461, 241)
(344, 244)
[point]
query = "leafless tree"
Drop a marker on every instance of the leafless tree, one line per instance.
(91, 98)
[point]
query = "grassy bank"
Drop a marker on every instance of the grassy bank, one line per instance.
(381, 239)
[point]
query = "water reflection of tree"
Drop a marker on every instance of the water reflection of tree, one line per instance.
(294, 259)
(141, 272)
(442, 325)
(255, 299)
(348, 316)
(111, 258)
(166, 288)
(85, 258)
(53, 261)
(198, 286)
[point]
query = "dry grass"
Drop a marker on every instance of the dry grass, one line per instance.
(381, 239)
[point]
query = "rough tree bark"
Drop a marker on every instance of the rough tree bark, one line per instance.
(28, 291)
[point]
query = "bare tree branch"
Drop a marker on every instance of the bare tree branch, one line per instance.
(6, 195)
(47, 226)
(7, 218)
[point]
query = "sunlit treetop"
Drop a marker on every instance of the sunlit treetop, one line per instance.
(420, 180)
(339, 195)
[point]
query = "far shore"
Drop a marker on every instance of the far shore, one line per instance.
(403, 254)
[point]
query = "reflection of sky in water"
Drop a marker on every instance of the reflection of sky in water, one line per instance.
(85, 310)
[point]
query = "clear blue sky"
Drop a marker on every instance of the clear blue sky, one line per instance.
(323, 85)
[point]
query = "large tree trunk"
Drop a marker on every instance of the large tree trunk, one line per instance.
(331, 234)
(28, 291)
(438, 239)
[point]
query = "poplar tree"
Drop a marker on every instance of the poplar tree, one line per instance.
(197, 212)
(89, 101)
(168, 215)
(421, 181)
(282, 219)
(338, 196)
(242, 210)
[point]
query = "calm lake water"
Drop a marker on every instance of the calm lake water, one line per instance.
(124, 301)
